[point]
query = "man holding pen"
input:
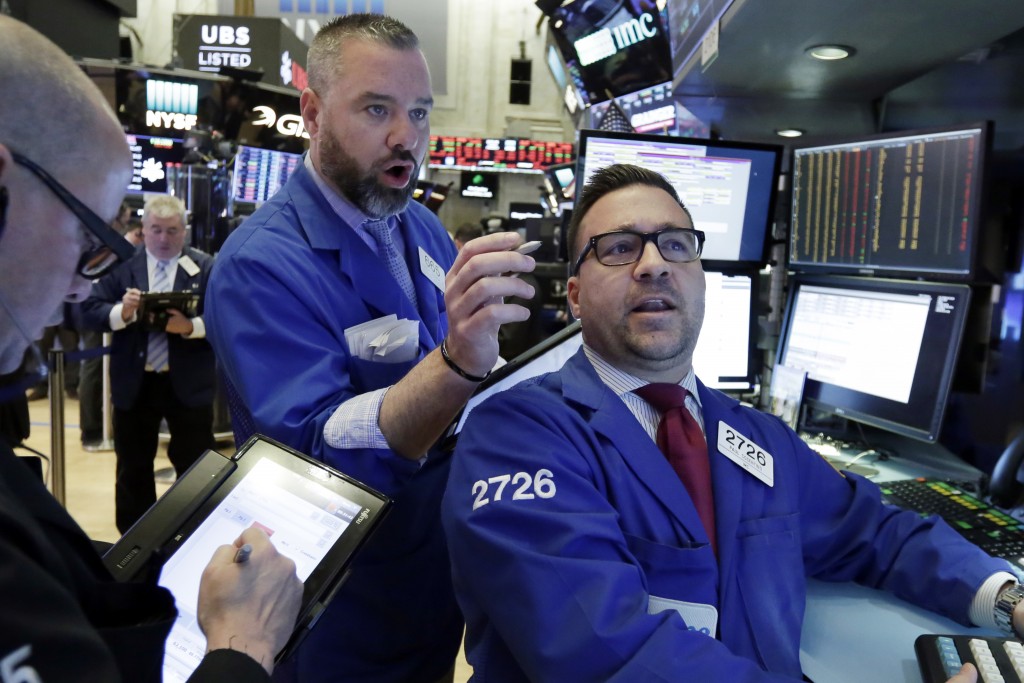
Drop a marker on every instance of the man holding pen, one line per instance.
(63, 617)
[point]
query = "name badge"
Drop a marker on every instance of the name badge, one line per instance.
(746, 454)
(188, 265)
(698, 617)
(429, 267)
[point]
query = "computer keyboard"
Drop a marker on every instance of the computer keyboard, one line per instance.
(999, 660)
(988, 527)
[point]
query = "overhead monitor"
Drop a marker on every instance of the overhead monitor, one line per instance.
(613, 48)
(880, 352)
(507, 155)
(260, 173)
(152, 156)
(477, 185)
(899, 204)
(728, 187)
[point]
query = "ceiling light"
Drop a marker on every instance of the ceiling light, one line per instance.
(830, 53)
(789, 132)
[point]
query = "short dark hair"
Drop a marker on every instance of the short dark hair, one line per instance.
(468, 231)
(322, 61)
(606, 181)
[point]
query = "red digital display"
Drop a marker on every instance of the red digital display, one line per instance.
(497, 154)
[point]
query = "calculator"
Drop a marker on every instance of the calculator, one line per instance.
(999, 660)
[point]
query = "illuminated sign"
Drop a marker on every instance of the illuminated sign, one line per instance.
(511, 155)
(224, 46)
(606, 42)
(286, 124)
(171, 104)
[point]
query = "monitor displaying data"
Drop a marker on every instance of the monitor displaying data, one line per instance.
(881, 352)
(903, 203)
(726, 354)
(260, 173)
(728, 187)
(152, 158)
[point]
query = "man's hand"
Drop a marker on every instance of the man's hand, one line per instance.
(967, 674)
(177, 322)
(130, 303)
(249, 606)
(474, 291)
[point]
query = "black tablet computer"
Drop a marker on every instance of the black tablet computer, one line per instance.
(153, 307)
(548, 356)
(313, 514)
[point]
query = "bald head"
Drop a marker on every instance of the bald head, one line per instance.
(41, 84)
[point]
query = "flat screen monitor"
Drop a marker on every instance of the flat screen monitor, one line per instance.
(880, 352)
(260, 173)
(152, 156)
(562, 180)
(477, 185)
(726, 354)
(613, 48)
(728, 187)
(898, 204)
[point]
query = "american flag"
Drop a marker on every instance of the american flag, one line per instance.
(615, 120)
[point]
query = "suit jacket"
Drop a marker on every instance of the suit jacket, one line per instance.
(191, 361)
(578, 555)
(64, 616)
(287, 285)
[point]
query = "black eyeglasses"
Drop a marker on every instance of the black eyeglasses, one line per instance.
(622, 247)
(112, 247)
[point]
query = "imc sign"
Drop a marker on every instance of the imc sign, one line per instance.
(213, 42)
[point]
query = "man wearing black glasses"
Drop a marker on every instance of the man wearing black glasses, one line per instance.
(617, 520)
(64, 164)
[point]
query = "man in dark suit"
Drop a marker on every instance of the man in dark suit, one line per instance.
(155, 374)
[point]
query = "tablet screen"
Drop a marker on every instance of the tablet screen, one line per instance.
(298, 505)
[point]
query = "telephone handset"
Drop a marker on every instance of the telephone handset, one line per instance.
(1006, 488)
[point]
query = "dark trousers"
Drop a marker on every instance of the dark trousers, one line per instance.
(136, 437)
(90, 390)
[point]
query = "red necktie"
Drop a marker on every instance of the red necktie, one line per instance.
(681, 440)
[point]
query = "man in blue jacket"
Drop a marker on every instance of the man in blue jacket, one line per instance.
(339, 246)
(581, 554)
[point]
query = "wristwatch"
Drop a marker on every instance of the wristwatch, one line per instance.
(1005, 604)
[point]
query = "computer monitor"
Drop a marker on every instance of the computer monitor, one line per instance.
(726, 355)
(728, 187)
(152, 156)
(898, 204)
(477, 185)
(880, 352)
(260, 173)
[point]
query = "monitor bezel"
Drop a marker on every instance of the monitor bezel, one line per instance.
(581, 156)
(977, 205)
(812, 398)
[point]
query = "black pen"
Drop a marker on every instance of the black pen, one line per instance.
(243, 553)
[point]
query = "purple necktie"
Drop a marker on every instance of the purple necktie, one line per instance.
(681, 440)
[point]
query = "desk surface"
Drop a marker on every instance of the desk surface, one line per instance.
(854, 634)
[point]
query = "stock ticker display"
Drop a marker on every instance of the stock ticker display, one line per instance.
(497, 154)
(906, 203)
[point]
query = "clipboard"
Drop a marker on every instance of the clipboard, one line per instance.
(153, 307)
(313, 514)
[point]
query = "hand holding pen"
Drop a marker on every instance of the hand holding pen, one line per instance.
(249, 598)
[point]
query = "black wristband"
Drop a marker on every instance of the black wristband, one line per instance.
(455, 368)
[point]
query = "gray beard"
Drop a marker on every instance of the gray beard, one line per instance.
(372, 198)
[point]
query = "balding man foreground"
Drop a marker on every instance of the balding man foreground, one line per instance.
(64, 166)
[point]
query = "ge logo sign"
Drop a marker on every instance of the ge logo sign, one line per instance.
(286, 124)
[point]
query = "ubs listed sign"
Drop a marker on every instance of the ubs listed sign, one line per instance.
(213, 42)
